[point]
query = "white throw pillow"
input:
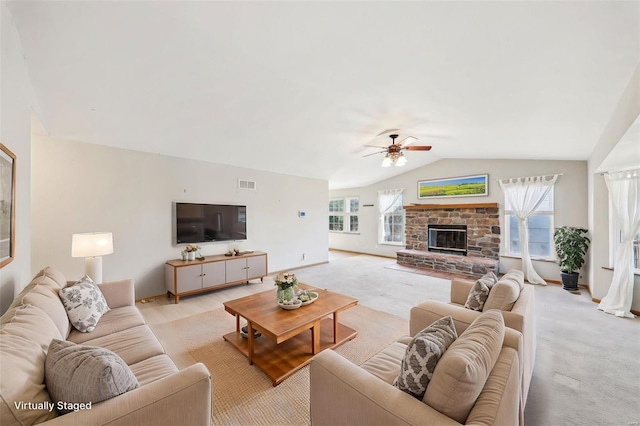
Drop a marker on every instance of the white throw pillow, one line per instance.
(84, 304)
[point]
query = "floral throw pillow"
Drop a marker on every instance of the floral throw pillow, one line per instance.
(480, 292)
(84, 304)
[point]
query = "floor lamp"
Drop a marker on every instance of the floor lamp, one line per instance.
(92, 246)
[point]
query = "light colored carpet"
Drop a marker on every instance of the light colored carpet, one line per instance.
(243, 394)
(586, 370)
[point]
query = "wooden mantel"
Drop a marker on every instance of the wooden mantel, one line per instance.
(451, 206)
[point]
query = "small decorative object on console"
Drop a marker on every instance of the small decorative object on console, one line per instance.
(191, 251)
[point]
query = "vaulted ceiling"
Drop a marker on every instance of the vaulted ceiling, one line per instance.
(300, 87)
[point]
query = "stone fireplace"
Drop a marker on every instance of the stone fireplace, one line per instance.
(457, 238)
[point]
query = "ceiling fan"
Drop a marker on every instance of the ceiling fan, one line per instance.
(394, 151)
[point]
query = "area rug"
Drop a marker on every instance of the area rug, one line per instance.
(243, 394)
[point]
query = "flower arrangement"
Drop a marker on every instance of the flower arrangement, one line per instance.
(191, 247)
(286, 280)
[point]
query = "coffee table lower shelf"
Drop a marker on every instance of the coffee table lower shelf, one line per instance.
(279, 361)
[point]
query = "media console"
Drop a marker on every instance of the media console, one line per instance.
(186, 277)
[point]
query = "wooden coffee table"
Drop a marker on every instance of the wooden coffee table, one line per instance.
(289, 338)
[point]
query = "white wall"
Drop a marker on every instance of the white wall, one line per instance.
(17, 101)
(80, 187)
(625, 114)
(570, 200)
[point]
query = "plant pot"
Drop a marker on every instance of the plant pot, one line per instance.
(569, 280)
(191, 255)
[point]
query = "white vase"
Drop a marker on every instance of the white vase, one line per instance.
(184, 255)
(191, 255)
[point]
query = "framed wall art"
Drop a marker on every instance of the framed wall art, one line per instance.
(7, 205)
(464, 186)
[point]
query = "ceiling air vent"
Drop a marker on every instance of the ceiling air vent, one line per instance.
(247, 184)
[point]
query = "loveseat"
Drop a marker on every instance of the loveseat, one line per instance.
(510, 295)
(165, 396)
(481, 386)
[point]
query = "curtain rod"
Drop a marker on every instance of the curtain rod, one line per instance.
(525, 177)
(619, 171)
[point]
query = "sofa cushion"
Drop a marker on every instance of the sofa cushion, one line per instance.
(480, 291)
(84, 304)
(154, 368)
(31, 323)
(500, 391)
(39, 281)
(22, 372)
(464, 368)
(115, 320)
(81, 374)
(385, 365)
(422, 356)
(132, 345)
(55, 275)
(503, 295)
(50, 303)
(516, 275)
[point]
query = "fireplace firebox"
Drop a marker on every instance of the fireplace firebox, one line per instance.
(451, 239)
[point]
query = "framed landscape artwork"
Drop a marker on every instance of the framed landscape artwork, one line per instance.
(7, 205)
(465, 186)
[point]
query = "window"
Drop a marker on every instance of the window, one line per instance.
(343, 214)
(540, 225)
(391, 217)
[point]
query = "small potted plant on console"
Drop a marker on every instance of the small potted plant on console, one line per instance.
(571, 244)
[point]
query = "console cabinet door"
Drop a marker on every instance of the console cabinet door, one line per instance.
(213, 274)
(236, 270)
(257, 267)
(189, 278)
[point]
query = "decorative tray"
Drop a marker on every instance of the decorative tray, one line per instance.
(290, 307)
(307, 297)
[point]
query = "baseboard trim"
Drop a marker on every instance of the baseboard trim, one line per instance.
(297, 267)
(580, 286)
(150, 298)
(368, 254)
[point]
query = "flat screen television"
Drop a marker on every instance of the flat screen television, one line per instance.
(202, 223)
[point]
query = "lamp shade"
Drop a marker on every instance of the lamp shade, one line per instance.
(91, 244)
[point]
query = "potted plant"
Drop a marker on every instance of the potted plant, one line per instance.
(571, 247)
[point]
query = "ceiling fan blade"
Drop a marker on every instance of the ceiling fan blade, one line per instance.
(374, 153)
(408, 141)
(388, 131)
(417, 148)
(376, 146)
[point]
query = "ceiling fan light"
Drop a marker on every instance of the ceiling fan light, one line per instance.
(401, 161)
(386, 162)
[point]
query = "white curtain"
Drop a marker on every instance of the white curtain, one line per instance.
(523, 196)
(386, 199)
(624, 194)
